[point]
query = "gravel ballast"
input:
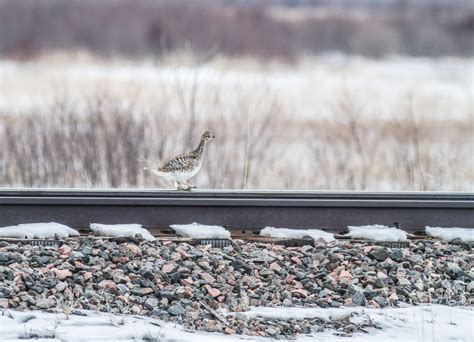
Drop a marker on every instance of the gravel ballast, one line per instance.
(211, 289)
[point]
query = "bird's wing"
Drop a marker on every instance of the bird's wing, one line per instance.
(181, 162)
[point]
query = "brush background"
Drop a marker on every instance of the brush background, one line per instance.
(301, 94)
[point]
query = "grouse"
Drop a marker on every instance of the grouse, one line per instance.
(185, 166)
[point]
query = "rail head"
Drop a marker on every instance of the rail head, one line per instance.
(237, 194)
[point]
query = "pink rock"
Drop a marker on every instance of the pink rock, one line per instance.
(344, 275)
(87, 276)
(275, 267)
(134, 249)
(108, 285)
(79, 265)
(212, 291)
(229, 331)
(168, 268)
(295, 260)
(348, 301)
(63, 274)
(374, 303)
(4, 303)
(123, 299)
(367, 249)
(393, 297)
(231, 280)
(65, 250)
(183, 253)
(300, 292)
(207, 277)
(187, 281)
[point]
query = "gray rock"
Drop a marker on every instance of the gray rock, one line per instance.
(151, 303)
(358, 298)
(61, 286)
(404, 282)
(382, 301)
(396, 255)
(176, 310)
(44, 303)
(380, 254)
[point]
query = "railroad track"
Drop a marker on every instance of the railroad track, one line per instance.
(244, 211)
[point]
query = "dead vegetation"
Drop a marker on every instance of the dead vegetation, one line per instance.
(263, 29)
(100, 143)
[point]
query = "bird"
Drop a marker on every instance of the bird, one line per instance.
(185, 166)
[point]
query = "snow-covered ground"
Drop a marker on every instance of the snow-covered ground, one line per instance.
(439, 86)
(421, 323)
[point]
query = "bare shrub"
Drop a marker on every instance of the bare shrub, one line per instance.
(258, 145)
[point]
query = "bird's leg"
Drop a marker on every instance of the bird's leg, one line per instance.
(179, 185)
(183, 186)
(187, 187)
(190, 185)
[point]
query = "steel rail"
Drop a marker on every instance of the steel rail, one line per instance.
(237, 209)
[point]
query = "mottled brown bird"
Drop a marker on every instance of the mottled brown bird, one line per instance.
(185, 166)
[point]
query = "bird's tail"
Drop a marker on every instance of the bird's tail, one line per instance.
(148, 164)
(152, 166)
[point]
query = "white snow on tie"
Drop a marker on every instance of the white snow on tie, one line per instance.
(297, 233)
(377, 232)
(121, 230)
(200, 231)
(449, 234)
(38, 231)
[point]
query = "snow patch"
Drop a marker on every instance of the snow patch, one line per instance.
(377, 232)
(285, 313)
(94, 327)
(200, 231)
(121, 230)
(450, 234)
(412, 323)
(297, 233)
(38, 231)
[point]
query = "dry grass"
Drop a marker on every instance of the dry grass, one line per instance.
(101, 144)
(323, 124)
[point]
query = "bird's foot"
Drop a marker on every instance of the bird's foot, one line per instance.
(184, 188)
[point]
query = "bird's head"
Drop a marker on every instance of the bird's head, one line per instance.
(207, 136)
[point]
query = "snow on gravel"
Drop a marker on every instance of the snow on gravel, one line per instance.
(200, 231)
(121, 230)
(38, 231)
(377, 232)
(449, 234)
(415, 323)
(297, 233)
